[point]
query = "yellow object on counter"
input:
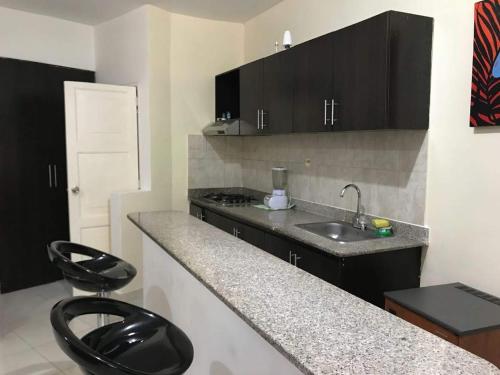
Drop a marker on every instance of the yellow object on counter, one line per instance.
(381, 223)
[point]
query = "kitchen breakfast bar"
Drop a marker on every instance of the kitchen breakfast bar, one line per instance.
(248, 312)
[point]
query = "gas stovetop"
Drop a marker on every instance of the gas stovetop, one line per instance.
(230, 200)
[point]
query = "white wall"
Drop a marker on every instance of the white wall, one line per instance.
(134, 50)
(200, 49)
(172, 59)
(32, 37)
(463, 180)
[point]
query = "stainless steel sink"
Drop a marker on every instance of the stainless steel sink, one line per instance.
(339, 231)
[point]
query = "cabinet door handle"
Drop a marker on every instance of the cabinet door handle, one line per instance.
(50, 176)
(296, 258)
(290, 257)
(262, 124)
(258, 119)
(324, 111)
(237, 233)
(333, 119)
(55, 175)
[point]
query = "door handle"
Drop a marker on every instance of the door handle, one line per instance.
(324, 111)
(262, 124)
(258, 119)
(333, 119)
(296, 258)
(75, 190)
(50, 176)
(55, 175)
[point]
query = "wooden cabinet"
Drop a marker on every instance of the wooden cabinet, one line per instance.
(366, 276)
(382, 70)
(278, 93)
(266, 94)
(33, 203)
(227, 94)
(251, 103)
(307, 258)
(372, 75)
(245, 232)
(313, 85)
(197, 211)
(484, 343)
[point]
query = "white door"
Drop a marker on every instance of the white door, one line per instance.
(101, 142)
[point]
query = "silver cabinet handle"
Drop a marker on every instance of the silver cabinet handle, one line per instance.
(50, 176)
(262, 124)
(296, 258)
(333, 119)
(55, 175)
(258, 119)
(290, 257)
(324, 111)
(75, 190)
(237, 233)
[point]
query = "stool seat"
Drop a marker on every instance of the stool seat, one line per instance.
(103, 272)
(142, 343)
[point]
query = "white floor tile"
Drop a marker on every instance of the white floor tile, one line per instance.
(12, 344)
(27, 363)
(52, 353)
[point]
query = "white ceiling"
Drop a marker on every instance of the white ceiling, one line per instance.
(93, 12)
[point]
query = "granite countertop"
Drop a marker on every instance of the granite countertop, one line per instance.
(284, 222)
(320, 328)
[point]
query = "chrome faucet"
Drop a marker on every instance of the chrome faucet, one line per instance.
(356, 221)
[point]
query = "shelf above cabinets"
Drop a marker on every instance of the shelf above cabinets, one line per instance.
(371, 75)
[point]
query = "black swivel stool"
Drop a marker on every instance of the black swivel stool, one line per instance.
(101, 274)
(143, 343)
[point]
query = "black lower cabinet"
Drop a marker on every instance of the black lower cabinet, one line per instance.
(245, 232)
(366, 276)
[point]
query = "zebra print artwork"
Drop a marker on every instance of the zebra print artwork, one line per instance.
(485, 98)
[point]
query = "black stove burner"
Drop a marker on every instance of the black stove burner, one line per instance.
(230, 199)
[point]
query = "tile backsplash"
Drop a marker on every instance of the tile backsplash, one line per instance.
(390, 168)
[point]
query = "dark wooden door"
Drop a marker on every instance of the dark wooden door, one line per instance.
(323, 266)
(313, 87)
(251, 91)
(360, 82)
(278, 93)
(33, 210)
(251, 235)
(278, 246)
(221, 222)
(197, 211)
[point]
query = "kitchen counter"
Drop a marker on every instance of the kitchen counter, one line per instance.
(318, 327)
(283, 222)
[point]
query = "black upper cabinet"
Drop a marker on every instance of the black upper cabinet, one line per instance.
(360, 81)
(251, 103)
(381, 76)
(313, 85)
(278, 93)
(266, 95)
(372, 75)
(227, 94)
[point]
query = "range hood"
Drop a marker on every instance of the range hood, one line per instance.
(223, 127)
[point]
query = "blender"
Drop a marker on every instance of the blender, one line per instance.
(279, 199)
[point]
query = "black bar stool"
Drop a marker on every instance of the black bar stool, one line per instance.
(101, 274)
(143, 343)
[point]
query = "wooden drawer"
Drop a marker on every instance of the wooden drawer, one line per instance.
(420, 321)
